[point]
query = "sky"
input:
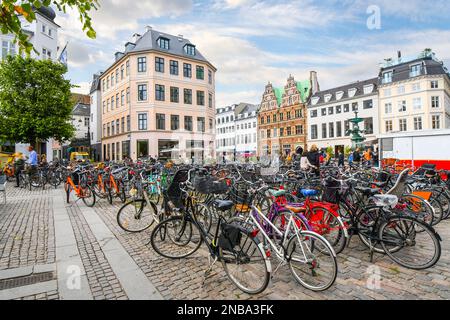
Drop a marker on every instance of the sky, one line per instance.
(253, 42)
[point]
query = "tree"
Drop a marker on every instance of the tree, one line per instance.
(35, 101)
(10, 10)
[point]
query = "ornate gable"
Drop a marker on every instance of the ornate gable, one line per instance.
(269, 99)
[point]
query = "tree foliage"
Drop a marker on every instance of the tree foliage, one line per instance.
(10, 10)
(35, 101)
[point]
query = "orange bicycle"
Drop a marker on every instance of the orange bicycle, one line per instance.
(77, 181)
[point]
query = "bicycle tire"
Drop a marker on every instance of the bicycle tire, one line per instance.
(141, 205)
(88, 193)
(183, 238)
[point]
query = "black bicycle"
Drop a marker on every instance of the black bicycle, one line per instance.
(240, 252)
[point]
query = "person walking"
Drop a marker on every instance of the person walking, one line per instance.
(357, 156)
(368, 157)
(341, 159)
(19, 165)
(314, 159)
(375, 159)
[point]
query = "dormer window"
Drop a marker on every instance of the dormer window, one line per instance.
(339, 95)
(314, 100)
(327, 97)
(163, 43)
(189, 49)
(368, 88)
(352, 92)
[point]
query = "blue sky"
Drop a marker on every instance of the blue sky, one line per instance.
(252, 42)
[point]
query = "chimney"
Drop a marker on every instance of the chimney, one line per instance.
(314, 83)
(148, 28)
(135, 37)
(118, 55)
(399, 55)
(180, 37)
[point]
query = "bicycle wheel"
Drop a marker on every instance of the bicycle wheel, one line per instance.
(423, 209)
(204, 216)
(88, 196)
(312, 260)
(247, 264)
(410, 242)
(35, 180)
(100, 191)
(136, 215)
(330, 226)
(365, 224)
(175, 238)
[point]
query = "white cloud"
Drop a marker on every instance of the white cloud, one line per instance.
(83, 88)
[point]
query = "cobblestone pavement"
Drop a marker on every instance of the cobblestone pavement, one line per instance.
(27, 238)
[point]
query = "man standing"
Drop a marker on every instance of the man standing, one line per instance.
(341, 159)
(33, 160)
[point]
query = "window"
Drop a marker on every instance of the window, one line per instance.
(298, 113)
(109, 129)
(339, 129)
(402, 106)
(104, 106)
(200, 98)
(314, 131)
(274, 118)
(401, 90)
(200, 73)
(112, 79)
(346, 107)
(324, 111)
(201, 124)
(346, 128)
(187, 96)
(107, 82)
(159, 92)
(104, 130)
(117, 75)
(142, 121)
(127, 67)
(142, 64)
(274, 132)
(368, 104)
(281, 116)
(117, 126)
(174, 122)
(187, 70)
(112, 103)
(211, 125)
(189, 49)
(436, 122)
(415, 87)
(354, 106)
(268, 133)
(338, 109)
(86, 122)
(122, 124)
(122, 98)
(210, 100)
(288, 115)
(113, 131)
(209, 76)
(434, 84)
(163, 43)
(313, 113)
(104, 84)
(128, 123)
(417, 123)
(121, 72)
(368, 125)
(142, 92)
(128, 95)
(330, 110)
(160, 121)
(387, 77)
(268, 119)
(298, 129)
(368, 88)
(417, 103)
(107, 109)
(324, 130)
(288, 131)
(174, 94)
(331, 129)
(188, 123)
(174, 67)
(117, 100)
(414, 70)
(262, 120)
(159, 64)
(402, 124)
(388, 108)
(44, 28)
(435, 102)
(388, 124)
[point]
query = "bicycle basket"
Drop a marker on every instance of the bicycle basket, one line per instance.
(75, 176)
(230, 237)
(210, 185)
(331, 191)
(174, 191)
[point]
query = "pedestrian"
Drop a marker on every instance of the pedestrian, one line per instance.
(19, 165)
(357, 156)
(368, 157)
(314, 159)
(341, 159)
(33, 159)
(375, 159)
(350, 158)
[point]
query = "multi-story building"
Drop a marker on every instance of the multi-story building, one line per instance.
(246, 121)
(96, 118)
(329, 112)
(282, 116)
(158, 99)
(43, 34)
(414, 95)
(225, 134)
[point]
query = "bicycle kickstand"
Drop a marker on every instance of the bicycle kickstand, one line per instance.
(282, 263)
(207, 272)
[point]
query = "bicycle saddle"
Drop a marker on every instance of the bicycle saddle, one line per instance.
(308, 192)
(223, 205)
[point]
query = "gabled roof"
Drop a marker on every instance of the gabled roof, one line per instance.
(95, 85)
(359, 86)
(243, 108)
(278, 94)
(81, 109)
(303, 87)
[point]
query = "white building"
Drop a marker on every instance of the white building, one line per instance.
(96, 118)
(330, 110)
(225, 133)
(43, 34)
(80, 120)
(246, 130)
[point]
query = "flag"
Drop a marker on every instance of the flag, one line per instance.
(63, 56)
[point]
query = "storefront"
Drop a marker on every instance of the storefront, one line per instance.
(168, 149)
